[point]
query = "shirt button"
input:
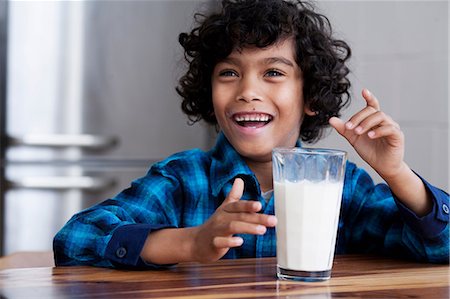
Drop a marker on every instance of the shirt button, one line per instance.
(121, 252)
(445, 208)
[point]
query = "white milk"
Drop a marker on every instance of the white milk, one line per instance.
(308, 215)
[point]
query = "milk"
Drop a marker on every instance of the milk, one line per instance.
(308, 215)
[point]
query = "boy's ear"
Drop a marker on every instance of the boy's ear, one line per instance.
(308, 111)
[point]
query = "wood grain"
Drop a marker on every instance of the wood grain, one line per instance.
(27, 259)
(353, 277)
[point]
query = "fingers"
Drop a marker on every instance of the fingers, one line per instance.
(225, 237)
(240, 227)
(370, 120)
(245, 223)
(233, 203)
(354, 122)
(371, 100)
(236, 216)
(372, 107)
(258, 227)
(243, 207)
(227, 242)
(236, 192)
(234, 209)
(338, 125)
(386, 130)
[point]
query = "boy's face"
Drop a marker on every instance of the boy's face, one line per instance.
(258, 99)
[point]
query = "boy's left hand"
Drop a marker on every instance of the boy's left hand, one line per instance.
(375, 136)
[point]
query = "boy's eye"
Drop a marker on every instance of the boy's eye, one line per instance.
(274, 73)
(228, 73)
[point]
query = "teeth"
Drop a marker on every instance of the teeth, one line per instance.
(252, 117)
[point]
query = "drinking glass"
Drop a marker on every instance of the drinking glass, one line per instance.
(308, 184)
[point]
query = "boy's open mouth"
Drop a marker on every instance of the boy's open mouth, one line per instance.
(252, 120)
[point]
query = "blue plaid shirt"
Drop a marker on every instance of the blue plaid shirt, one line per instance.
(185, 189)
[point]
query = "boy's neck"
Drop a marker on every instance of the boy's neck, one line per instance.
(263, 172)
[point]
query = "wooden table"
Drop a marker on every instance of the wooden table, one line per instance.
(353, 276)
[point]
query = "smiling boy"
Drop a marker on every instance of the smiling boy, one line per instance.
(267, 73)
(264, 85)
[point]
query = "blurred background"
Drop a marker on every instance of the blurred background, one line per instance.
(87, 99)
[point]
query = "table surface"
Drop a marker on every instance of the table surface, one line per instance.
(359, 276)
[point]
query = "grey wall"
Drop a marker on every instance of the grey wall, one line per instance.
(133, 63)
(400, 53)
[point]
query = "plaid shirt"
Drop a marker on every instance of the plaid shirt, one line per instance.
(185, 189)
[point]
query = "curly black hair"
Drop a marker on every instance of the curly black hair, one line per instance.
(261, 23)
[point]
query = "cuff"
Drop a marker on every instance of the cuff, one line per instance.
(432, 224)
(124, 248)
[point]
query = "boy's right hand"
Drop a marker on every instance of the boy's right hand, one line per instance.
(215, 237)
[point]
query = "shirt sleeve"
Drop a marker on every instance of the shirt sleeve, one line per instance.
(432, 224)
(112, 233)
(373, 221)
(125, 246)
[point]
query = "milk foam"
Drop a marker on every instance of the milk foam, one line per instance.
(308, 215)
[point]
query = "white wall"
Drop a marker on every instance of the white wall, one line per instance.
(400, 53)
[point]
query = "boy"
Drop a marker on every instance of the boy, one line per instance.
(267, 73)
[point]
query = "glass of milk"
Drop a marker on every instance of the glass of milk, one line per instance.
(308, 187)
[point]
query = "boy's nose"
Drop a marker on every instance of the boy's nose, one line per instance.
(249, 91)
(248, 100)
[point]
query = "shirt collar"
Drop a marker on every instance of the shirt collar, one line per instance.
(226, 165)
